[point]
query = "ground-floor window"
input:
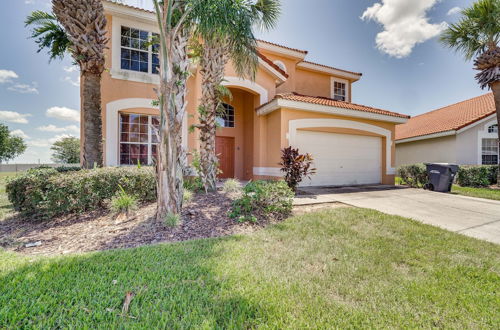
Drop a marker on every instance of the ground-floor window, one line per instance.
(138, 138)
(489, 153)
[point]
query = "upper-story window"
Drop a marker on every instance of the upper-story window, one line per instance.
(339, 91)
(137, 53)
(226, 119)
(493, 128)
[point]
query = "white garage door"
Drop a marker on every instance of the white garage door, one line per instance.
(342, 159)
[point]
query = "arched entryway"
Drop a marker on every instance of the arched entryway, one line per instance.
(235, 134)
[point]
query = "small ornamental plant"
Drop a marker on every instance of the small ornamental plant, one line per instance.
(296, 167)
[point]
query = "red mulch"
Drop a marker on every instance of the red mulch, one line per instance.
(206, 216)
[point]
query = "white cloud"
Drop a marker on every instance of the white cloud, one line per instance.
(24, 88)
(63, 113)
(405, 24)
(55, 129)
(14, 117)
(69, 69)
(44, 143)
(453, 11)
(74, 82)
(29, 2)
(20, 133)
(7, 76)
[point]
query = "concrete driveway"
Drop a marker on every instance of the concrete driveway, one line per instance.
(476, 217)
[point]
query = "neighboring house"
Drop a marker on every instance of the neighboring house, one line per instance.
(291, 102)
(465, 133)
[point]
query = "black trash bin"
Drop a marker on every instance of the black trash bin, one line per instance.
(441, 176)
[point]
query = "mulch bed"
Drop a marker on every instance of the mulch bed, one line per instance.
(205, 216)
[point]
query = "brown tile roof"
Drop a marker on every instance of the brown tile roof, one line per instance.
(331, 67)
(268, 61)
(449, 118)
(286, 47)
(334, 103)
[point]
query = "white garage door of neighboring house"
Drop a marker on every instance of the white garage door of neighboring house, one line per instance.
(342, 159)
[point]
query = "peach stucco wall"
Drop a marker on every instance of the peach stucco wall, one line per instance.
(258, 139)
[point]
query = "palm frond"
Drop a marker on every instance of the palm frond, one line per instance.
(477, 30)
(48, 34)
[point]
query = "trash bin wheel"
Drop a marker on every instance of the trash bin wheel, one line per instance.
(429, 186)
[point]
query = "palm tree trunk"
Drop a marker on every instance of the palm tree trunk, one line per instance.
(92, 120)
(495, 87)
(213, 64)
(174, 66)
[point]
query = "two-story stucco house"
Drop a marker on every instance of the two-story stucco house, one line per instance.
(291, 102)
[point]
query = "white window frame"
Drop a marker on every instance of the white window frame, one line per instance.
(493, 129)
(150, 137)
(116, 71)
(483, 149)
(342, 81)
(483, 133)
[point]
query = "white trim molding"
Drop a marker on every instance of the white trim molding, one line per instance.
(281, 50)
(294, 125)
(267, 171)
(329, 70)
(428, 136)
(117, 9)
(247, 84)
(112, 125)
(268, 68)
(304, 106)
(479, 122)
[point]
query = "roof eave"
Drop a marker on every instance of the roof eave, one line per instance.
(427, 136)
(279, 103)
(333, 71)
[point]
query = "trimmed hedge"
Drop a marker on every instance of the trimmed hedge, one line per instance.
(47, 193)
(413, 175)
(468, 176)
(477, 176)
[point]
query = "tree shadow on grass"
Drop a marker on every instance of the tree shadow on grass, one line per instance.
(175, 286)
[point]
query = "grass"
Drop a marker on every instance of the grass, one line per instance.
(5, 206)
(341, 268)
(476, 192)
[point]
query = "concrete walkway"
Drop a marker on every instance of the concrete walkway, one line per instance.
(475, 217)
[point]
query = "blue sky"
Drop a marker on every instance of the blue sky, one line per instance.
(392, 42)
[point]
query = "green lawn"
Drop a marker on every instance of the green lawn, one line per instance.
(5, 206)
(477, 192)
(344, 268)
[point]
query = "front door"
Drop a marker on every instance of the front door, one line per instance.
(224, 148)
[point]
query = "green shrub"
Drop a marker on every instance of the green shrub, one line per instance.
(60, 169)
(187, 196)
(172, 220)
(231, 186)
(262, 200)
(477, 176)
(413, 175)
(193, 183)
(46, 192)
(123, 202)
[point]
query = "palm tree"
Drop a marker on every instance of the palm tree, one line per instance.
(175, 19)
(477, 34)
(79, 28)
(233, 40)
